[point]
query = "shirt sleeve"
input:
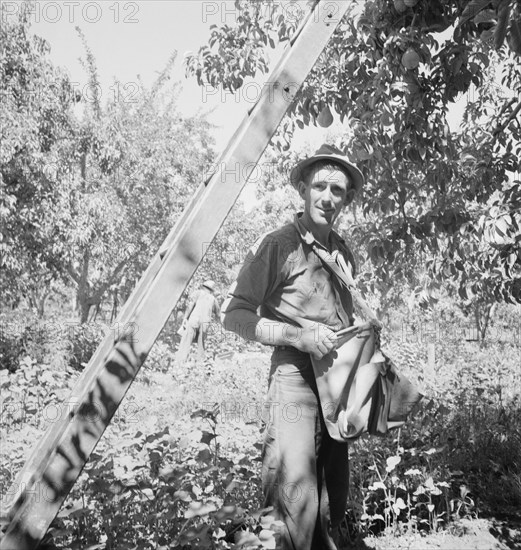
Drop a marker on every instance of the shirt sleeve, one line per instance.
(258, 277)
(191, 305)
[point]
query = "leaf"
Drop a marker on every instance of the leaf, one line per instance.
(485, 16)
(183, 495)
(514, 37)
(76, 507)
(148, 493)
(204, 456)
(399, 505)
(244, 538)
(392, 462)
(203, 413)
(501, 28)
(207, 437)
(472, 9)
(267, 538)
(197, 508)
(194, 532)
(226, 512)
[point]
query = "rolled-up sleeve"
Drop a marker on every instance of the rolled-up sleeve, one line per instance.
(259, 275)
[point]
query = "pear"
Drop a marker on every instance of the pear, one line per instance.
(325, 118)
(400, 6)
(410, 59)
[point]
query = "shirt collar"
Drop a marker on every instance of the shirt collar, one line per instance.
(308, 238)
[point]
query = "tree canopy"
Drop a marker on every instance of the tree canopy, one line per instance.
(90, 188)
(439, 206)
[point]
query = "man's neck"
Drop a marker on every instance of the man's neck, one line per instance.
(321, 234)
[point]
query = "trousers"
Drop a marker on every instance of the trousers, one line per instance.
(193, 333)
(305, 473)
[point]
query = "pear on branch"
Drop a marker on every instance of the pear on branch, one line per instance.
(325, 118)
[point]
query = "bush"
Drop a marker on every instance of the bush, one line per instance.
(13, 346)
(82, 344)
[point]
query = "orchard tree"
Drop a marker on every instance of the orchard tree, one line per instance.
(36, 120)
(438, 204)
(133, 165)
(90, 185)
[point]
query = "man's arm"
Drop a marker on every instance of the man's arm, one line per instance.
(190, 307)
(260, 273)
(315, 338)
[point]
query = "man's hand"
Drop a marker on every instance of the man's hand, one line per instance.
(316, 339)
(313, 338)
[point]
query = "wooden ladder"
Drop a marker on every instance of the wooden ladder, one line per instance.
(42, 485)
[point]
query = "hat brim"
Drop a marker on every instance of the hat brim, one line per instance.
(356, 177)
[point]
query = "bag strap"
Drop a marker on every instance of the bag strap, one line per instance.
(336, 265)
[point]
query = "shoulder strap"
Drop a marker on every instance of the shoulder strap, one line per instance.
(336, 265)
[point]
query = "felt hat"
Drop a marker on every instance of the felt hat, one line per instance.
(334, 155)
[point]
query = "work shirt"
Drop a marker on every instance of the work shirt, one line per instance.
(204, 305)
(282, 279)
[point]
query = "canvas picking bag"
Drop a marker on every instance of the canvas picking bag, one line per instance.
(360, 389)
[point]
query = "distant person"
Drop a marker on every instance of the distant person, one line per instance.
(197, 318)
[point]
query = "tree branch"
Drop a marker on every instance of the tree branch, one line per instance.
(509, 119)
(73, 274)
(96, 297)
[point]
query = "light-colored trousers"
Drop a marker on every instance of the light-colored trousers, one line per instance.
(192, 333)
(305, 473)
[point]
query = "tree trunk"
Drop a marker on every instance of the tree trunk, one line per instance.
(482, 316)
(489, 311)
(40, 304)
(114, 312)
(84, 303)
(84, 310)
(37, 301)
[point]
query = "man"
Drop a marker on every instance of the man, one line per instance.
(285, 297)
(196, 320)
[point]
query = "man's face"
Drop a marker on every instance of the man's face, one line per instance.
(324, 195)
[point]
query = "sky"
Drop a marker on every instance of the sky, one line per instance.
(130, 38)
(138, 38)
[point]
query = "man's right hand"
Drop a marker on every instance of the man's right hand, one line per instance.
(316, 339)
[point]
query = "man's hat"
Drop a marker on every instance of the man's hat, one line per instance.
(209, 284)
(334, 155)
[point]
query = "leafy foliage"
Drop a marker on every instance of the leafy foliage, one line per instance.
(179, 464)
(35, 119)
(390, 73)
(89, 197)
(439, 208)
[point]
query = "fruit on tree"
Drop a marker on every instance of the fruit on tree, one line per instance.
(410, 3)
(386, 118)
(400, 6)
(410, 59)
(325, 118)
